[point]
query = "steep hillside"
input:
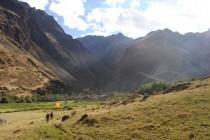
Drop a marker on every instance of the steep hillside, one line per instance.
(20, 73)
(37, 34)
(164, 55)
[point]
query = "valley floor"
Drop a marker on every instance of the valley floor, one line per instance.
(172, 116)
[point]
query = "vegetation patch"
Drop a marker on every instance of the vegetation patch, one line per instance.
(152, 88)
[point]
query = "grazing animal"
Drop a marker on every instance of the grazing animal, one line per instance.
(87, 120)
(84, 117)
(51, 115)
(191, 136)
(64, 118)
(47, 117)
(90, 121)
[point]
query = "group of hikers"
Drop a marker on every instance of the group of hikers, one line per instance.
(49, 116)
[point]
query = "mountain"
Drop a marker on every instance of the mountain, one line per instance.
(101, 46)
(164, 55)
(33, 40)
(105, 51)
(161, 55)
(37, 55)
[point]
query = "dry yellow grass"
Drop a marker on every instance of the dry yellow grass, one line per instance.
(20, 73)
(171, 116)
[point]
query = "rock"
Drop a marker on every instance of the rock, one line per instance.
(2, 121)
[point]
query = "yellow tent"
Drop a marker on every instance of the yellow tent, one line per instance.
(57, 104)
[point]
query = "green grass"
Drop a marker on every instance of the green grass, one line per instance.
(14, 107)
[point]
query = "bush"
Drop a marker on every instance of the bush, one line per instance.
(28, 99)
(4, 100)
(153, 87)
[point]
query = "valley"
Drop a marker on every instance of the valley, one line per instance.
(55, 85)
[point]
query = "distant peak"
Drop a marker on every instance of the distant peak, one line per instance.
(120, 34)
(163, 31)
(167, 30)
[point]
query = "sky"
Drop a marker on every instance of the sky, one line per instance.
(133, 18)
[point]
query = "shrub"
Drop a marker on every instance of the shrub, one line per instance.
(153, 87)
(4, 100)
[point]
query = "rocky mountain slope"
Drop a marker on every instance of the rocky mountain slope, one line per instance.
(20, 73)
(38, 36)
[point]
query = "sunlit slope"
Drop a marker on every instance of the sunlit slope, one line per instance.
(171, 116)
(20, 73)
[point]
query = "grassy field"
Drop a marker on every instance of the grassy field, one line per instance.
(16, 107)
(171, 116)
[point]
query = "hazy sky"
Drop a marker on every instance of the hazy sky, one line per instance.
(133, 18)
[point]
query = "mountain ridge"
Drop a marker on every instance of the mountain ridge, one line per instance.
(115, 62)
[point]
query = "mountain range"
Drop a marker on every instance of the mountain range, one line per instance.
(36, 54)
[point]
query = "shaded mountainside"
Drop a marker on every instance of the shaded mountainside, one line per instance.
(161, 55)
(101, 46)
(106, 51)
(38, 36)
(164, 55)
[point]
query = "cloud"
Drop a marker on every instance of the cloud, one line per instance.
(130, 21)
(114, 2)
(38, 4)
(135, 3)
(182, 15)
(179, 15)
(133, 18)
(111, 20)
(72, 12)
